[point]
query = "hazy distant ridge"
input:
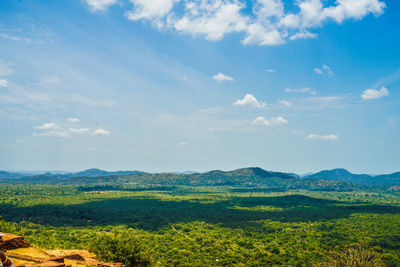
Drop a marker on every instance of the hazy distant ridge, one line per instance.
(345, 175)
(252, 177)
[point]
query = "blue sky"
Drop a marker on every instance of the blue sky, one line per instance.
(174, 85)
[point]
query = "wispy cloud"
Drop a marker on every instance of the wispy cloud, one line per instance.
(285, 103)
(73, 120)
(23, 39)
(301, 90)
(271, 70)
(387, 80)
(100, 5)
(329, 137)
(318, 71)
(78, 130)
(50, 80)
(375, 94)
(53, 133)
(297, 132)
(220, 77)
(5, 68)
(324, 69)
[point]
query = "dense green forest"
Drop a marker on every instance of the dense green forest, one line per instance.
(208, 225)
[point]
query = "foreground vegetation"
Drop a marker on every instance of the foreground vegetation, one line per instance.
(208, 226)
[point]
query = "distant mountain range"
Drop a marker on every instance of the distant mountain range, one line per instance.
(247, 177)
(86, 173)
(345, 175)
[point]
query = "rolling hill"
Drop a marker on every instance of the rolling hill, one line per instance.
(364, 179)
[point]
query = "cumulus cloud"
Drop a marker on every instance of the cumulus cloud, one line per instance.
(3, 83)
(220, 77)
(275, 121)
(47, 126)
(250, 100)
(329, 137)
(78, 130)
(99, 5)
(375, 94)
(73, 120)
(101, 132)
(211, 19)
(269, 22)
(53, 133)
(301, 90)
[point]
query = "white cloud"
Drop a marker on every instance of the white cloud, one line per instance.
(3, 83)
(303, 35)
(183, 143)
(250, 100)
(355, 9)
(151, 10)
(100, 5)
(258, 34)
(212, 19)
(17, 38)
(53, 133)
(275, 121)
(328, 69)
(100, 102)
(318, 71)
(267, 23)
(47, 126)
(73, 120)
(271, 70)
(50, 80)
(301, 90)
(220, 77)
(296, 132)
(285, 103)
(324, 69)
(375, 94)
(101, 132)
(5, 68)
(325, 99)
(78, 130)
(330, 137)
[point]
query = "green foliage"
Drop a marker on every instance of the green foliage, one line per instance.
(205, 226)
(354, 256)
(119, 247)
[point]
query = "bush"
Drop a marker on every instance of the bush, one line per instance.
(354, 256)
(120, 248)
